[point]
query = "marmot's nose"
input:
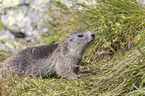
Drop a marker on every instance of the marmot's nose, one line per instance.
(93, 36)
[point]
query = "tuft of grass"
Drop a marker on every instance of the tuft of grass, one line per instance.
(1, 25)
(113, 65)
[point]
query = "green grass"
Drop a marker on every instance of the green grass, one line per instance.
(1, 25)
(113, 65)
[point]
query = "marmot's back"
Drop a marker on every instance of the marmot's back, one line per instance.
(38, 52)
(30, 56)
(56, 59)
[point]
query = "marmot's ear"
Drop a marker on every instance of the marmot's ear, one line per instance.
(62, 45)
(70, 39)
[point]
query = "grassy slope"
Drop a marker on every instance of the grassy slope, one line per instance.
(118, 25)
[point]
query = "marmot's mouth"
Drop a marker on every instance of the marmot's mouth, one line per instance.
(93, 38)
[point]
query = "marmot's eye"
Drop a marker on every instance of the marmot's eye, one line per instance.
(81, 35)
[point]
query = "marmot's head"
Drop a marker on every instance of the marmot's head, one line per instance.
(77, 41)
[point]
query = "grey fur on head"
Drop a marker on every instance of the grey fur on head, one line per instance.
(61, 60)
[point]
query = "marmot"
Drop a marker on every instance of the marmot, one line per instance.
(61, 60)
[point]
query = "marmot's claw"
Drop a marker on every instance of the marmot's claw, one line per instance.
(81, 75)
(75, 78)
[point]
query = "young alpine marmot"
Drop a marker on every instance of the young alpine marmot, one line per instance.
(61, 60)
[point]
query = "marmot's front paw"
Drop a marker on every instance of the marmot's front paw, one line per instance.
(76, 77)
(80, 75)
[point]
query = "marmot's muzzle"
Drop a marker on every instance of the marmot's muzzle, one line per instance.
(92, 37)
